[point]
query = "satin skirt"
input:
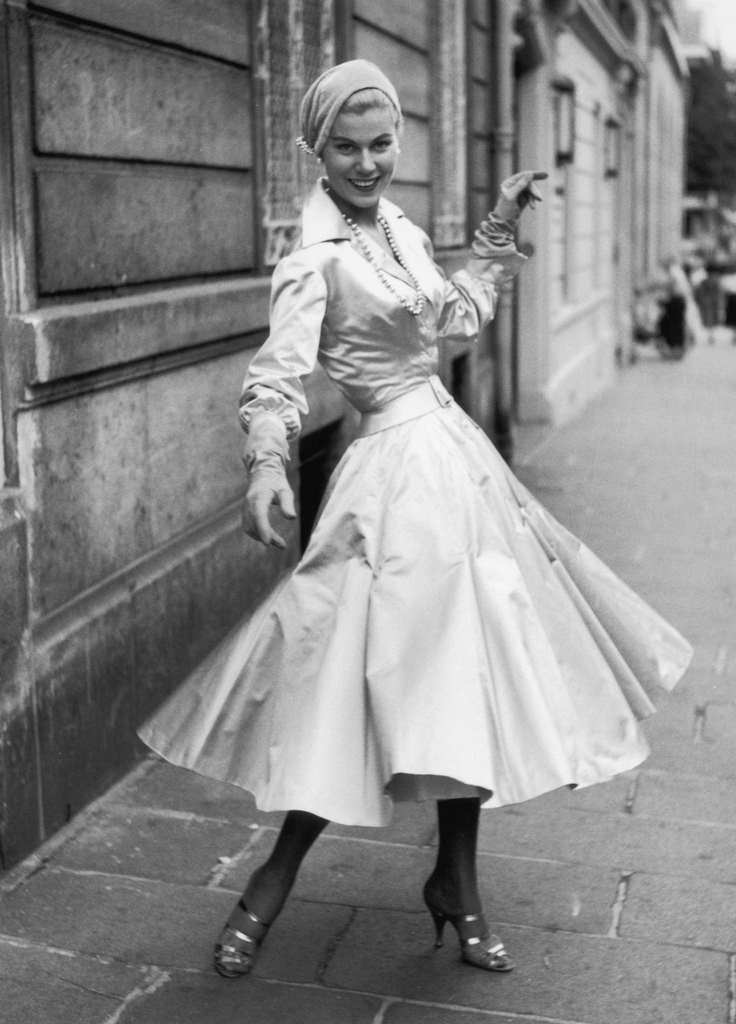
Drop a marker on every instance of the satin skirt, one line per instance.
(443, 635)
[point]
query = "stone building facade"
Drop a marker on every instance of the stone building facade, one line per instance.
(148, 184)
(604, 109)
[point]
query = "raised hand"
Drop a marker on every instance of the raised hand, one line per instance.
(517, 192)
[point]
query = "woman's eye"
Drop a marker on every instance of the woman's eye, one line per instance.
(344, 147)
(383, 144)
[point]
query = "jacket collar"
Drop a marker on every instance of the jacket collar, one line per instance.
(323, 222)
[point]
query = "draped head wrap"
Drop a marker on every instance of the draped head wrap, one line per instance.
(326, 95)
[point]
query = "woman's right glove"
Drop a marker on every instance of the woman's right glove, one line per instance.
(265, 455)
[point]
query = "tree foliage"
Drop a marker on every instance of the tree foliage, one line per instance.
(711, 140)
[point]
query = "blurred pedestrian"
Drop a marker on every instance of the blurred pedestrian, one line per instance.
(442, 637)
(681, 324)
(707, 292)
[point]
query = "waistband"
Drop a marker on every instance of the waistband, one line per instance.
(426, 397)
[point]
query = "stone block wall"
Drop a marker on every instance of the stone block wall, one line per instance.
(134, 291)
(148, 178)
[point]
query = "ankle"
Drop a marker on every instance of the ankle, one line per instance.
(267, 891)
(454, 896)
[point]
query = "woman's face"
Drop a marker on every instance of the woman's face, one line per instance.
(360, 156)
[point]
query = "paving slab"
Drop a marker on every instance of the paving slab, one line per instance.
(351, 872)
(423, 1013)
(164, 786)
(625, 841)
(559, 975)
(193, 999)
(693, 912)
(147, 922)
(171, 846)
(547, 894)
(41, 984)
(611, 797)
(682, 797)
(712, 672)
(678, 746)
(412, 824)
(523, 890)
(686, 613)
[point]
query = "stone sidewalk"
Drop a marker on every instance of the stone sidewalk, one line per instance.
(618, 902)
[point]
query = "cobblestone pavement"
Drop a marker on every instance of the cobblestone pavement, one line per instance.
(618, 902)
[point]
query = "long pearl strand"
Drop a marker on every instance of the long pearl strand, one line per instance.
(415, 307)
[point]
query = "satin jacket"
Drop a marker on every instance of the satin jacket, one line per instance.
(329, 304)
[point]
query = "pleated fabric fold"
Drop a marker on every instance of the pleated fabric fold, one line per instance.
(442, 635)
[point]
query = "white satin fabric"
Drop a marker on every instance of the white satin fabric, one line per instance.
(442, 635)
(328, 304)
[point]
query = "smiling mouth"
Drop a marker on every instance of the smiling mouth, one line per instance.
(364, 185)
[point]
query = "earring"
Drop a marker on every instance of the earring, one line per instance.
(302, 144)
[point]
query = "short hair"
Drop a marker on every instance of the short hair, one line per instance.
(371, 99)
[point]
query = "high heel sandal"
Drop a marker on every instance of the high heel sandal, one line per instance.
(236, 950)
(478, 946)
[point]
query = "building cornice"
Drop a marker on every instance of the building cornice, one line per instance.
(590, 16)
(672, 44)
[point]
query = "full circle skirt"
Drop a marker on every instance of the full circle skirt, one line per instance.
(442, 635)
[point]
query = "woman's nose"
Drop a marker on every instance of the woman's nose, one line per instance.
(366, 161)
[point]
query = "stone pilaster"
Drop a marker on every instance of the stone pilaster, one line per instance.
(295, 43)
(450, 128)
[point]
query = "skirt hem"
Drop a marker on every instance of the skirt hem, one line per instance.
(302, 802)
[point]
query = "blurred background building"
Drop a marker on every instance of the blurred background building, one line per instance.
(710, 202)
(148, 183)
(605, 111)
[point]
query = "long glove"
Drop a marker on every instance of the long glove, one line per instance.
(494, 249)
(517, 192)
(265, 455)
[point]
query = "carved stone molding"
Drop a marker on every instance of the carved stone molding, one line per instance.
(450, 128)
(295, 43)
(533, 48)
(607, 34)
(561, 11)
(626, 83)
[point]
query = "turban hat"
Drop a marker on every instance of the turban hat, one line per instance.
(326, 95)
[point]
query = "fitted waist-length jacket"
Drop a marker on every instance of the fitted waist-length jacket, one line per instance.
(328, 304)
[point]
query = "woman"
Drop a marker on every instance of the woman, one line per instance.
(442, 637)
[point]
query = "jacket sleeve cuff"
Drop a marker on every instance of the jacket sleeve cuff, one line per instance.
(266, 441)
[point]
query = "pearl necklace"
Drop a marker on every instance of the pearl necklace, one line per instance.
(415, 307)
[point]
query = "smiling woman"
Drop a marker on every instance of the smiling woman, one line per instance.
(442, 637)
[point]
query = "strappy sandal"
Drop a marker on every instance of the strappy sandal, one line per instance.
(478, 946)
(237, 948)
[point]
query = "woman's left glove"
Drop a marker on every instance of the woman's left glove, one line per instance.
(494, 250)
(517, 192)
(266, 451)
